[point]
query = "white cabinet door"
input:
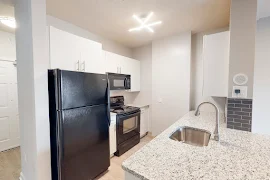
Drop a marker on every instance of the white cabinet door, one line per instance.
(216, 64)
(132, 67)
(144, 121)
(64, 50)
(112, 62)
(9, 115)
(91, 59)
(135, 76)
(112, 139)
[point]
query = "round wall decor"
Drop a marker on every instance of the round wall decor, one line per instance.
(240, 79)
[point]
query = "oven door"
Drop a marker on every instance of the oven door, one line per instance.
(127, 126)
(119, 81)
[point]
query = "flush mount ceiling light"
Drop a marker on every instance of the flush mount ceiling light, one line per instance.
(8, 21)
(143, 22)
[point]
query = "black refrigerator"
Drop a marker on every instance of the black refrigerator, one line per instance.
(79, 124)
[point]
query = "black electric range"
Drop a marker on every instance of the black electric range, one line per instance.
(127, 124)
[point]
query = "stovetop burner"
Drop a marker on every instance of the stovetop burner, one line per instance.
(117, 106)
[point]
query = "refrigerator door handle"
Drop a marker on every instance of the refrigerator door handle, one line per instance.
(109, 103)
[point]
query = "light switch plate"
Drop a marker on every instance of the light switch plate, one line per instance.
(242, 94)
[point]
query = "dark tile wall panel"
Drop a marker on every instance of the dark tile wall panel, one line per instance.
(239, 114)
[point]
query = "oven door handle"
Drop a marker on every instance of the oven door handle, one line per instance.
(129, 115)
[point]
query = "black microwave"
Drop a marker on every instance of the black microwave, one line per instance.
(119, 81)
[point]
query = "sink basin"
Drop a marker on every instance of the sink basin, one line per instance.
(192, 136)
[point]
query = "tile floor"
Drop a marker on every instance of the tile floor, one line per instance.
(10, 164)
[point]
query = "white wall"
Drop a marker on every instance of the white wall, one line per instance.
(144, 54)
(7, 46)
(128, 96)
(107, 44)
(33, 63)
(196, 94)
(261, 95)
(170, 80)
(242, 41)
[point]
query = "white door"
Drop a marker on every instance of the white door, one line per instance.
(9, 116)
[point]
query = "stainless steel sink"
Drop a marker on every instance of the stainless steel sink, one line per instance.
(192, 136)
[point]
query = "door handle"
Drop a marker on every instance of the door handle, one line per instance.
(125, 83)
(77, 66)
(83, 66)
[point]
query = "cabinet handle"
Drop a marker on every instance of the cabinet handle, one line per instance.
(77, 65)
(83, 66)
(120, 70)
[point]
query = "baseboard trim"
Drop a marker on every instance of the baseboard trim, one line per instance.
(22, 176)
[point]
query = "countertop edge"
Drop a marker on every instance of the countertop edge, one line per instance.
(134, 173)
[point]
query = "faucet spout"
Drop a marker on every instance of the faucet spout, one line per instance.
(216, 131)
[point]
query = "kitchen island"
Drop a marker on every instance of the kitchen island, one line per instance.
(238, 155)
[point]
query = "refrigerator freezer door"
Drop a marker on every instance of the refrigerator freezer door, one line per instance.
(80, 89)
(85, 142)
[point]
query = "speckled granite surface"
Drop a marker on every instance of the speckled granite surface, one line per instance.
(238, 155)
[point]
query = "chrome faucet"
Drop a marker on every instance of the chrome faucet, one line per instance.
(216, 131)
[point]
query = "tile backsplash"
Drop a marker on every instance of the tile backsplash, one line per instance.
(239, 115)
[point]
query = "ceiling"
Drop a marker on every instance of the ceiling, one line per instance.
(6, 9)
(112, 18)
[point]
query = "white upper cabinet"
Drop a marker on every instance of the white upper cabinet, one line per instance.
(123, 65)
(71, 52)
(64, 51)
(216, 64)
(113, 62)
(133, 67)
(91, 56)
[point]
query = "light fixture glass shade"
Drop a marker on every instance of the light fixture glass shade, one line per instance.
(8, 21)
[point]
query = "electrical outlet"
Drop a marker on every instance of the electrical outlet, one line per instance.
(239, 92)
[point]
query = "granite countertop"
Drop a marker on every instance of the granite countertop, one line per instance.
(238, 155)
